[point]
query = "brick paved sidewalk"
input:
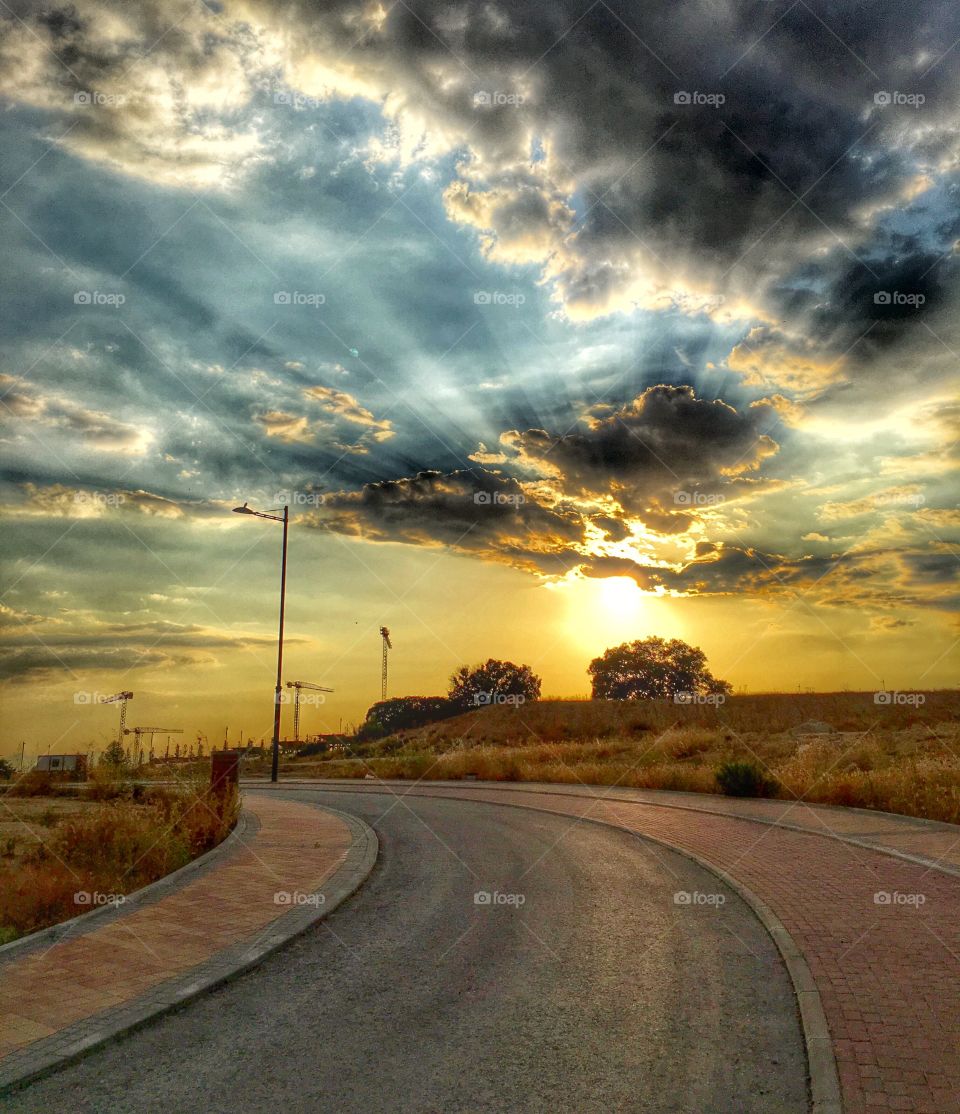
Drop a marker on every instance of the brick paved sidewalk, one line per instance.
(293, 848)
(926, 839)
(881, 936)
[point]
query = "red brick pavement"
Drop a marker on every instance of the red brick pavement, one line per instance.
(296, 849)
(888, 974)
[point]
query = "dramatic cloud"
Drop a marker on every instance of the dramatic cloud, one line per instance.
(475, 512)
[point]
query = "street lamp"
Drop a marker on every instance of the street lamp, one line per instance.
(275, 758)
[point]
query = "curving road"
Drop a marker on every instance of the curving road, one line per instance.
(596, 993)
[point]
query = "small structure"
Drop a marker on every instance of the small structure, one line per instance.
(70, 765)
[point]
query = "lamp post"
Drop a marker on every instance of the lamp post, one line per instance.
(275, 758)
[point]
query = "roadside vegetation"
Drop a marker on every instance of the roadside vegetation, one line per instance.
(834, 748)
(65, 849)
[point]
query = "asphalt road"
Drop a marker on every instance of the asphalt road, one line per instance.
(596, 993)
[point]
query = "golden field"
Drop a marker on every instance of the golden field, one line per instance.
(895, 757)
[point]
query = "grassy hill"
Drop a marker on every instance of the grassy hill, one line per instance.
(897, 757)
(771, 713)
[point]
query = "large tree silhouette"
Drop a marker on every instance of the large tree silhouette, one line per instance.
(652, 668)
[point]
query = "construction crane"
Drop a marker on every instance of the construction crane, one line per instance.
(138, 734)
(297, 686)
(120, 698)
(387, 645)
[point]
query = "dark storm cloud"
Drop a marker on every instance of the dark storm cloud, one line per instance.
(794, 154)
(667, 446)
(473, 512)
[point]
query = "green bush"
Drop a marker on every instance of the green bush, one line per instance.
(745, 779)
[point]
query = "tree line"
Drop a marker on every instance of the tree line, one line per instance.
(646, 669)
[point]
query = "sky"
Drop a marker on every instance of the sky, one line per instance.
(554, 325)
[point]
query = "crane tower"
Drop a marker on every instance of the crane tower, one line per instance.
(387, 645)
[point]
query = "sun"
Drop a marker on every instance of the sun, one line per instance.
(605, 611)
(620, 597)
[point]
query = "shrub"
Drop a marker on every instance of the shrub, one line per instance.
(115, 848)
(744, 779)
(387, 716)
(34, 783)
(107, 783)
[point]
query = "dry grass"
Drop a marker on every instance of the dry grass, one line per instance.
(897, 759)
(105, 848)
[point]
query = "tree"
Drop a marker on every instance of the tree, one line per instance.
(6, 770)
(652, 668)
(494, 682)
(387, 716)
(114, 755)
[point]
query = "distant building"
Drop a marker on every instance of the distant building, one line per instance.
(74, 764)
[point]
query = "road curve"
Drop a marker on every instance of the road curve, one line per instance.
(596, 993)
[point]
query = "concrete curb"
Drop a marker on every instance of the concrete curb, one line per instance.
(70, 1044)
(821, 1063)
(247, 824)
(550, 787)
